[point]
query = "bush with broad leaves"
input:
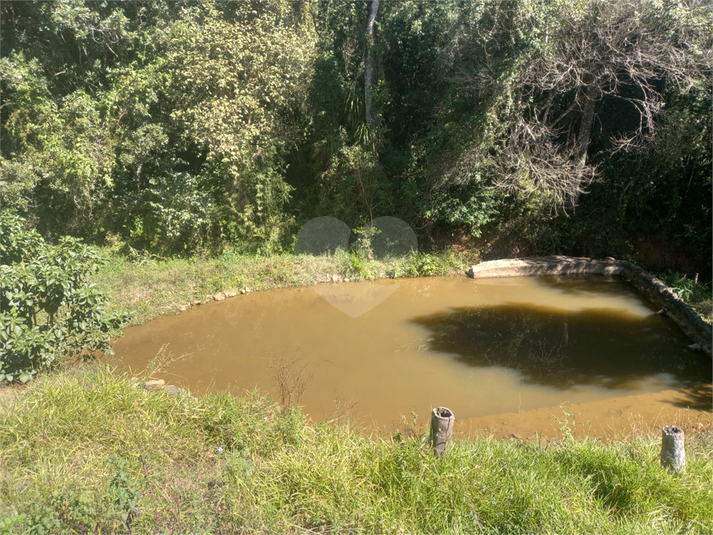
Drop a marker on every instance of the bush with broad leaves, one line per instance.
(48, 309)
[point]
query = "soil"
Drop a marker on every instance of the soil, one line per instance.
(7, 393)
(607, 419)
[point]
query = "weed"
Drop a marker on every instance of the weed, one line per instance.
(363, 246)
(291, 377)
(161, 362)
(565, 422)
(124, 493)
(6, 523)
(359, 267)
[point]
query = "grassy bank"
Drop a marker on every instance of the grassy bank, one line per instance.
(149, 287)
(90, 451)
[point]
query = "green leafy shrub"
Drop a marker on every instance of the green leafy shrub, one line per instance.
(472, 206)
(422, 264)
(47, 307)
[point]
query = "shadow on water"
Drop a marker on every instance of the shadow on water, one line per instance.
(698, 397)
(562, 348)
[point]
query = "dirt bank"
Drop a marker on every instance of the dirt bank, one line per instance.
(607, 419)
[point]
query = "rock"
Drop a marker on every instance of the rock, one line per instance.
(231, 293)
(242, 291)
(247, 290)
(173, 390)
(220, 296)
(154, 384)
(696, 347)
(183, 308)
(548, 265)
(196, 303)
(346, 280)
(335, 278)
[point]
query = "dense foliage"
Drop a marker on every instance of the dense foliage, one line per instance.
(47, 307)
(180, 126)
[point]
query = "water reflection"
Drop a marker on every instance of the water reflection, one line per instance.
(563, 348)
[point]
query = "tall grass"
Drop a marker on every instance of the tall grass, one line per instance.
(91, 451)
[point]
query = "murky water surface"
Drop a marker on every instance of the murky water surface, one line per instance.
(518, 347)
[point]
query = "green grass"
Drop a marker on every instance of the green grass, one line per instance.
(89, 451)
(150, 287)
(696, 294)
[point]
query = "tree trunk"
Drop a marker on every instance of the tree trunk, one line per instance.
(583, 138)
(368, 68)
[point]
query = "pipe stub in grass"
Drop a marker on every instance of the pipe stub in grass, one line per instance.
(442, 420)
(673, 454)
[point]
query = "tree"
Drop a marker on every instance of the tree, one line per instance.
(368, 67)
(583, 55)
(183, 126)
(238, 83)
(167, 123)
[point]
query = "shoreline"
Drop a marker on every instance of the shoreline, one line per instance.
(606, 419)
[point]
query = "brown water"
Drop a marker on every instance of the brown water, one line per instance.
(503, 354)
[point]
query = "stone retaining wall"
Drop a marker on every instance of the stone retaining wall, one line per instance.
(655, 291)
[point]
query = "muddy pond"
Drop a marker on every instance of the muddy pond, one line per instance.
(512, 356)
